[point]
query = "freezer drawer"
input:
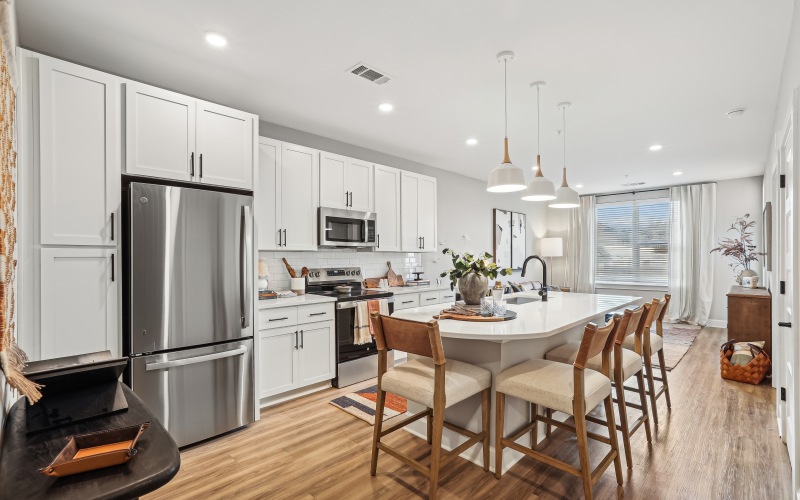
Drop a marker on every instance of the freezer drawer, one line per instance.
(198, 393)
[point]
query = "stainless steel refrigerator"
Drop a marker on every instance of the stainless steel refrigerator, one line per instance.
(190, 314)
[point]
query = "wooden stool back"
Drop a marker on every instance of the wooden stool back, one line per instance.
(636, 324)
(596, 341)
(660, 316)
(422, 339)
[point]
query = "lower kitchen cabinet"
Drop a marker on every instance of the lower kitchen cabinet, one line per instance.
(316, 353)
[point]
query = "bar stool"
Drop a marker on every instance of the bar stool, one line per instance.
(624, 365)
(433, 382)
(653, 343)
(574, 390)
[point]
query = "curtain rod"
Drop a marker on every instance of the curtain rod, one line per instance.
(648, 190)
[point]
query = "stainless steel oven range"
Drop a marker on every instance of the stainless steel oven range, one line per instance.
(355, 363)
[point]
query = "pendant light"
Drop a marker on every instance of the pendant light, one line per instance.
(506, 178)
(566, 197)
(539, 189)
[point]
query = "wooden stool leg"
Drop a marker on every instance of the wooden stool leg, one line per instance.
(376, 436)
(436, 450)
(485, 407)
(623, 419)
(535, 430)
(430, 427)
(651, 385)
(643, 403)
(547, 428)
(664, 376)
(499, 409)
(583, 454)
(612, 432)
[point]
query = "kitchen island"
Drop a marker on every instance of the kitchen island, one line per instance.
(496, 346)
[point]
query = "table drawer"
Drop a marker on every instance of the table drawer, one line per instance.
(447, 296)
(406, 301)
(275, 318)
(314, 313)
(428, 298)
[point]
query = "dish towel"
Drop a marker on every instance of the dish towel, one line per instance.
(362, 329)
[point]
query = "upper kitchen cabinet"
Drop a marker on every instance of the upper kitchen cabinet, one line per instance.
(79, 164)
(417, 212)
(173, 136)
(287, 196)
(345, 183)
(387, 208)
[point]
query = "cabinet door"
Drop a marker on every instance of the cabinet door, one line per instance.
(299, 197)
(387, 208)
(332, 187)
(409, 212)
(316, 351)
(159, 133)
(78, 164)
(268, 194)
(360, 185)
(426, 220)
(406, 301)
(78, 301)
(278, 367)
(224, 146)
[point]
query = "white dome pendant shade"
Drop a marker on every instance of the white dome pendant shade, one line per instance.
(539, 189)
(566, 197)
(506, 178)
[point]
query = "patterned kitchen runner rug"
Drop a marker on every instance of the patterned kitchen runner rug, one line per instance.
(361, 404)
(678, 338)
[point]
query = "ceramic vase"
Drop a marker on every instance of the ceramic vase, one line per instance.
(472, 287)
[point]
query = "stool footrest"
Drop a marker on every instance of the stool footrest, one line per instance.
(406, 421)
(406, 460)
(567, 427)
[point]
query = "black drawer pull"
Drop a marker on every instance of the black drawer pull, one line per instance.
(785, 324)
(318, 314)
(278, 319)
(432, 298)
(408, 302)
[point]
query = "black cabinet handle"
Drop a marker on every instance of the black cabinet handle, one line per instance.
(284, 238)
(278, 319)
(408, 302)
(318, 314)
(379, 241)
(295, 339)
(351, 199)
(785, 324)
(423, 243)
(112, 226)
(432, 298)
(301, 338)
(201, 165)
(191, 165)
(112, 267)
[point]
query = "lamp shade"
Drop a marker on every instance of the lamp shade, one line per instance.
(552, 247)
(566, 197)
(506, 178)
(539, 189)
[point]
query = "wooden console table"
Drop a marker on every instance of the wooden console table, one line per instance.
(750, 315)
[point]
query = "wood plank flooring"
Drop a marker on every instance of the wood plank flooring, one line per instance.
(718, 441)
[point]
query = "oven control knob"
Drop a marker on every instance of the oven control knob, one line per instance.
(358, 272)
(347, 273)
(316, 274)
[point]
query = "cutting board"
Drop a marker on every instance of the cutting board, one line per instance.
(464, 317)
(394, 279)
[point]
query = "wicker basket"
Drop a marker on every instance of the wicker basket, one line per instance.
(751, 373)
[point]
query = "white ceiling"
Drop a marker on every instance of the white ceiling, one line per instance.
(638, 73)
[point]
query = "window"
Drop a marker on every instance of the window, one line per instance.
(632, 242)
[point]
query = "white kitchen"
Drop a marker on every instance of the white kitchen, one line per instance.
(367, 250)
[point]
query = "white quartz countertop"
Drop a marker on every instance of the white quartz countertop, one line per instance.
(300, 300)
(402, 290)
(562, 311)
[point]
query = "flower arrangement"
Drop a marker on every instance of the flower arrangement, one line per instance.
(740, 249)
(468, 263)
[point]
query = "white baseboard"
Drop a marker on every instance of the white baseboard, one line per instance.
(294, 394)
(717, 323)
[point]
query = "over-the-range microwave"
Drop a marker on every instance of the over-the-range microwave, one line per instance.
(346, 228)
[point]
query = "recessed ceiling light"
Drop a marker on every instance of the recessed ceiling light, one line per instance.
(735, 113)
(472, 141)
(656, 147)
(216, 39)
(677, 173)
(386, 107)
(578, 186)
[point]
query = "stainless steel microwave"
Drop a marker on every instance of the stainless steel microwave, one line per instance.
(346, 228)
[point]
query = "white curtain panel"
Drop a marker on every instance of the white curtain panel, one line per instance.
(691, 265)
(581, 248)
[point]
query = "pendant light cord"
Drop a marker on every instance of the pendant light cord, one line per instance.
(538, 127)
(505, 95)
(564, 126)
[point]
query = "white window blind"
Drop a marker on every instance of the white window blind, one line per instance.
(632, 240)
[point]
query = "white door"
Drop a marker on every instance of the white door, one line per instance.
(78, 301)
(427, 213)
(387, 208)
(409, 211)
(278, 360)
(359, 184)
(159, 133)
(299, 197)
(268, 194)
(224, 146)
(316, 351)
(79, 164)
(333, 191)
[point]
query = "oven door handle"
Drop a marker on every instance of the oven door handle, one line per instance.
(352, 304)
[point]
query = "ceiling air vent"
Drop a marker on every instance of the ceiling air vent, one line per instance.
(629, 184)
(369, 73)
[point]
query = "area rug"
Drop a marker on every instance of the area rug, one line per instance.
(678, 338)
(361, 404)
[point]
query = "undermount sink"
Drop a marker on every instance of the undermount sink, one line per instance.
(522, 300)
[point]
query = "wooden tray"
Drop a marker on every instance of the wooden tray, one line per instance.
(480, 319)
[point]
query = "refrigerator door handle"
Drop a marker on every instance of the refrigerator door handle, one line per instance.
(245, 264)
(197, 359)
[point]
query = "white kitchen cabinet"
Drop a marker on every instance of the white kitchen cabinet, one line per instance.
(316, 353)
(387, 208)
(268, 194)
(417, 212)
(333, 191)
(360, 185)
(79, 292)
(447, 296)
(428, 298)
(79, 166)
(278, 361)
(224, 146)
(406, 301)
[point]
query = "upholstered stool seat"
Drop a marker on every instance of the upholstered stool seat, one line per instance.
(414, 380)
(551, 384)
(631, 362)
(656, 342)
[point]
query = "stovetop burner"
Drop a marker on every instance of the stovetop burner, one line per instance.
(323, 281)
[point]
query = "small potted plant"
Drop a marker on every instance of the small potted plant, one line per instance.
(740, 249)
(472, 274)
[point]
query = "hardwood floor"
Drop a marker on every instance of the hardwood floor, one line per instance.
(718, 441)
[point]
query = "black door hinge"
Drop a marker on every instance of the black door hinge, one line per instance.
(783, 288)
(783, 393)
(783, 180)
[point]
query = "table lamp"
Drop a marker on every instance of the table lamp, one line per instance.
(551, 247)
